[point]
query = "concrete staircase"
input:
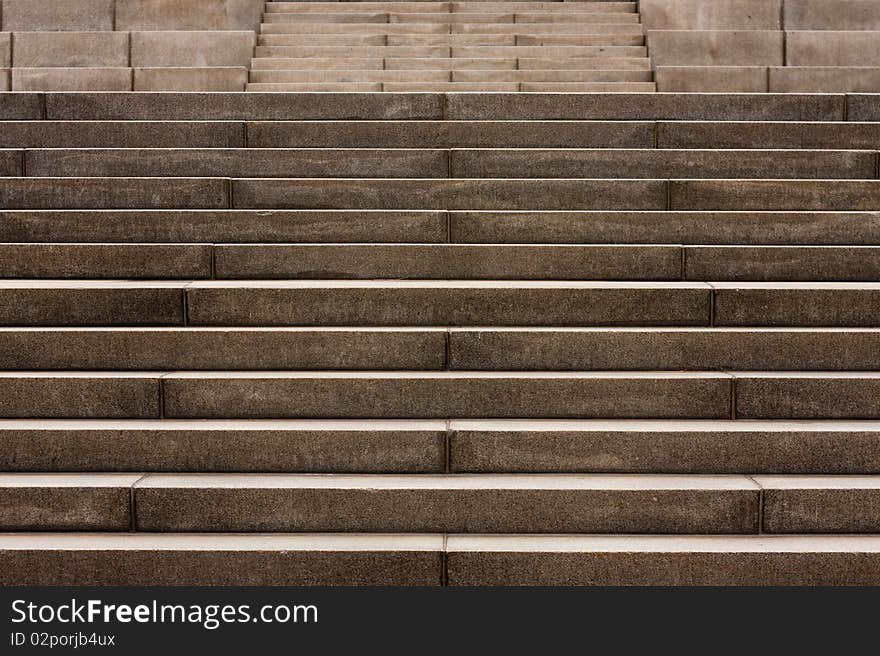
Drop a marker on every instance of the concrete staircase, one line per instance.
(439, 339)
(451, 46)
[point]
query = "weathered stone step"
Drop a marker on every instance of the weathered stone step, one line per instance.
(766, 134)
(181, 226)
(446, 134)
(479, 106)
(610, 27)
(122, 134)
(807, 395)
(451, 303)
(430, 226)
(657, 446)
(452, 87)
(389, 16)
(207, 395)
(117, 349)
(447, 63)
(467, 349)
(454, 7)
(145, 559)
(689, 227)
(447, 75)
(657, 349)
(820, 504)
(663, 560)
(454, 45)
(414, 559)
(561, 503)
(403, 446)
(419, 446)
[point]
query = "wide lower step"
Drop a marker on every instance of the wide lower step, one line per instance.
(390, 16)
(466, 163)
(359, 559)
(300, 8)
(462, 349)
(437, 194)
(440, 394)
(436, 303)
(450, 87)
(439, 262)
(435, 446)
(438, 226)
(479, 106)
(432, 75)
(447, 63)
(458, 47)
(594, 28)
(447, 503)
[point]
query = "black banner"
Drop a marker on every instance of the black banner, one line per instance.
(401, 620)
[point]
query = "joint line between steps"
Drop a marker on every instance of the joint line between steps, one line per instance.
(444, 562)
(761, 501)
(132, 505)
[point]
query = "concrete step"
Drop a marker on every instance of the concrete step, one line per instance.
(438, 134)
(480, 106)
(113, 193)
(560, 503)
(430, 226)
(656, 349)
(820, 504)
(434, 395)
(463, 349)
(72, 79)
(158, 349)
(449, 63)
(503, 44)
(455, 303)
(662, 560)
(122, 134)
(450, 7)
(408, 559)
(450, 18)
(807, 395)
(402, 446)
(145, 559)
(448, 75)
(766, 134)
(454, 87)
(421, 446)
(615, 28)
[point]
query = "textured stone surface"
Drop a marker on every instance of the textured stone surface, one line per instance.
(830, 395)
(774, 195)
(223, 226)
(71, 79)
(177, 49)
(831, 15)
(659, 349)
(446, 394)
(816, 79)
(86, 303)
(696, 227)
(623, 163)
(247, 107)
(374, 193)
(66, 502)
(767, 263)
(244, 163)
(5, 49)
(550, 503)
(770, 134)
(66, 49)
(743, 79)
(75, 15)
(226, 348)
(450, 134)
(446, 303)
(448, 262)
(716, 14)
(830, 48)
(78, 395)
(820, 504)
(107, 193)
(190, 79)
(188, 14)
(796, 304)
(133, 559)
(259, 446)
(716, 447)
(122, 134)
(660, 560)
(716, 48)
(105, 261)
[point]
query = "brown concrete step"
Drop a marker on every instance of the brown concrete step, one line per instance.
(439, 303)
(447, 63)
(820, 504)
(118, 349)
(122, 134)
(145, 559)
(615, 28)
(767, 134)
(560, 503)
(450, 18)
(236, 226)
(657, 446)
(807, 395)
(450, 7)
(434, 395)
(663, 560)
(371, 446)
(656, 349)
